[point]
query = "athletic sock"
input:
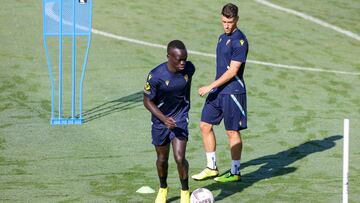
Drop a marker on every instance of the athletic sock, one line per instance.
(235, 167)
(163, 183)
(211, 160)
(184, 184)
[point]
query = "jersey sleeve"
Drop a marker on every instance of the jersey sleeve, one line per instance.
(190, 72)
(240, 49)
(190, 68)
(150, 87)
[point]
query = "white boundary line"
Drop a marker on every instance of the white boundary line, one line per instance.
(50, 13)
(310, 18)
(275, 65)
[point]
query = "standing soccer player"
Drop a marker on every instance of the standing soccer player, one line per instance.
(227, 97)
(167, 97)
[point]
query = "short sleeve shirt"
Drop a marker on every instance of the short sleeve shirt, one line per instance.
(232, 47)
(170, 91)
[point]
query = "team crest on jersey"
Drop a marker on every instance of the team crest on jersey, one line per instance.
(186, 77)
(167, 82)
(228, 42)
(242, 42)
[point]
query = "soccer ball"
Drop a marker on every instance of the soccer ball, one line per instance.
(201, 195)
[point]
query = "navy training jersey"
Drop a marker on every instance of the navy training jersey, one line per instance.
(232, 47)
(169, 91)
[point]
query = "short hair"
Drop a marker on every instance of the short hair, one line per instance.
(230, 10)
(175, 44)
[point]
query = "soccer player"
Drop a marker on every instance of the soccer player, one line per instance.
(227, 97)
(167, 97)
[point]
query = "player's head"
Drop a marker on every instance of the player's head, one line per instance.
(177, 55)
(229, 17)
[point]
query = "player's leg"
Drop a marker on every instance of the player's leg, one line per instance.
(179, 149)
(209, 143)
(235, 144)
(211, 115)
(208, 136)
(162, 153)
(161, 141)
(235, 120)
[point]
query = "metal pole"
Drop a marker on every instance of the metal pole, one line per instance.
(73, 64)
(60, 59)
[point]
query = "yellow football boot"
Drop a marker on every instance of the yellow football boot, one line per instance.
(162, 195)
(205, 174)
(184, 196)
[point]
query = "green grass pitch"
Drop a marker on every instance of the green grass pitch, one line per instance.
(292, 149)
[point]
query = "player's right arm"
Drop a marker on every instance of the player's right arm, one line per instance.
(150, 90)
(228, 75)
(168, 121)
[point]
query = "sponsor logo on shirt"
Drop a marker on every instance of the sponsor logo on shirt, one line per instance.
(147, 87)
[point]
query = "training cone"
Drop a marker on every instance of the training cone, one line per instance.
(145, 190)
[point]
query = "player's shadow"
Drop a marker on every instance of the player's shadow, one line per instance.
(272, 166)
(121, 104)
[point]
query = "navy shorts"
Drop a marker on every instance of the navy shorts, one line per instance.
(161, 135)
(231, 107)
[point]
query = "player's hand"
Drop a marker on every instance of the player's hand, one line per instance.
(170, 123)
(204, 90)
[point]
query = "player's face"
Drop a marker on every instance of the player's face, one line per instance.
(177, 58)
(229, 24)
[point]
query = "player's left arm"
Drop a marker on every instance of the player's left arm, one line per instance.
(240, 49)
(228, 75)
(191, 73)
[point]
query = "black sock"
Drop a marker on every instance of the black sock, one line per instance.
(163, 183)
(184, 184)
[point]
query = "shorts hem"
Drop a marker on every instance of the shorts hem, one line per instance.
(211, 123)
(238, 129)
